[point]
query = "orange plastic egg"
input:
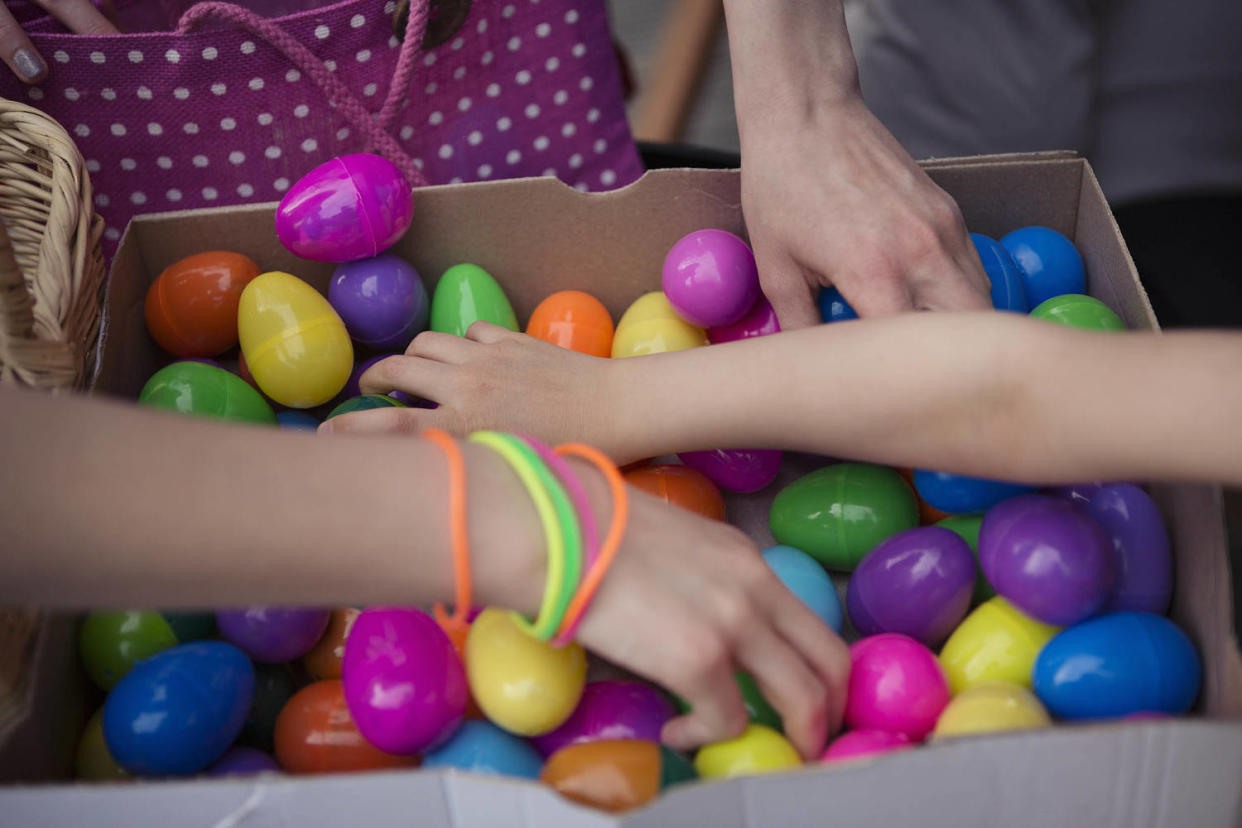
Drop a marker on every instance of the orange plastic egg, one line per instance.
(191, 307)
(323, 661)
(574, 320)
(681, 486)
(316, 734)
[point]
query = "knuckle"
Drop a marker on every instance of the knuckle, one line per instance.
(422, 343)
(706, 653)
(734, 610)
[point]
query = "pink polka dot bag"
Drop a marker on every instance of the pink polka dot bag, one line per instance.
(225, 106)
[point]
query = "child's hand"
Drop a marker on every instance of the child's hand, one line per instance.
(78, 16)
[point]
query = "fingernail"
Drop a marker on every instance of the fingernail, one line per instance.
(29, 64)
(325, 427)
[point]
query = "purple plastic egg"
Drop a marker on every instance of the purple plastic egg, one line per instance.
(352, 390)
(273, 634)
(240, 760)
(760, 320)
(404, 683)
(1076, 492)
(710, 278)
(736, 470)
(1140, 541)
(610, 710)
(1048, 558)
(381, 300)
(352, 207)
(917, 583)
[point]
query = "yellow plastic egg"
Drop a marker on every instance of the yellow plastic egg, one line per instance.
(994, 643)
(991, 707)
(651, 326)
(760, 749)
(93, 760)
(295, 344)
(522, 684)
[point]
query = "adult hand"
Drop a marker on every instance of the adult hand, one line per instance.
(79, 16)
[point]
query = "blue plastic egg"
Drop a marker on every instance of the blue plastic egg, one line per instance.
(1049, 263)
(297, 420)
(178, 711)
(833, 307)
(808, 580)
(482, 747)
(1117, 664)
(958, 494)
(1008, 294)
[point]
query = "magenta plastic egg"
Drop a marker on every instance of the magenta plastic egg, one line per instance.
(1140, 541)
(736, 470)
(896, 685)
(349, 208)
(917, 582)
(760, 320)
(1048, 558)
(611, 710)
(404, 683)
(710, 278)
(860, 744)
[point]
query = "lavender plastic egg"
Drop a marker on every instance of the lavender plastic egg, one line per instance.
(611, 710)
(1141, 543)
(273, 634)
(382, 301)
(736, 470)
(1076, 492)
(352, 390)
(710, 278)
(349, 208)
(917, 583)
(760, 320)
(404, 683)
(243, 761)
(1048, 558)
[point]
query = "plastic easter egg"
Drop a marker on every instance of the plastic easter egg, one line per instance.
(177, 712)
(272, 634)
(323, 661)
(381, 300)
(93, 761)
(1140, 543)
(191, 307)
(364, 403)
(710, 278)
(1078, 311)
(525, 685)
(967, 528)
(205, 391)
(995, 643)
(111, 643)
(316, 734)
(349, 208)
(833, 307)
(760, 320)
(352, 390)
(896, 684)
(274, 685)
(806, 579)
(611, 710)
(573, 320)
(294, 342)
(758, 709)
(1048, 558)
(243, 761)
(1075, 492)
(758, 750)
(681, 486)
(862, 744)
(297, 420)
(651, 326)
(467, 294)
(736, 470)
(1049, 263)
(614, 776)
(928, 514)
(917, 583)
(1118, 664)
(992, 707)
(481, 747)
(957, 494)
(838, 513)
(1008, 294)
(404, 682)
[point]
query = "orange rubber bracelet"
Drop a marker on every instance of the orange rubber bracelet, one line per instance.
(459, 538)
(612, 542)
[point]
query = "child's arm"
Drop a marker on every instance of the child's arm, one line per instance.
(986, 394)
(111, 505)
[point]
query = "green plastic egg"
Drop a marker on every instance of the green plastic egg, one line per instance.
(365, 403)
(967, 527)
(838, 513)
(110, 643)
(464, 295)
(205, 391)
(1079, 311)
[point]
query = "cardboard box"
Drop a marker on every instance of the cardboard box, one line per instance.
(537, 236)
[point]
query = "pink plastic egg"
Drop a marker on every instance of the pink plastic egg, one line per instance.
(760, 320)
(710, 278)
(896, 685)
(859, 744)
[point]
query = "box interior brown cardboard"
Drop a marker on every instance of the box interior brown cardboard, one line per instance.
(536, 237)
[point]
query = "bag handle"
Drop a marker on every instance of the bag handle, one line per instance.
(373, 128)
